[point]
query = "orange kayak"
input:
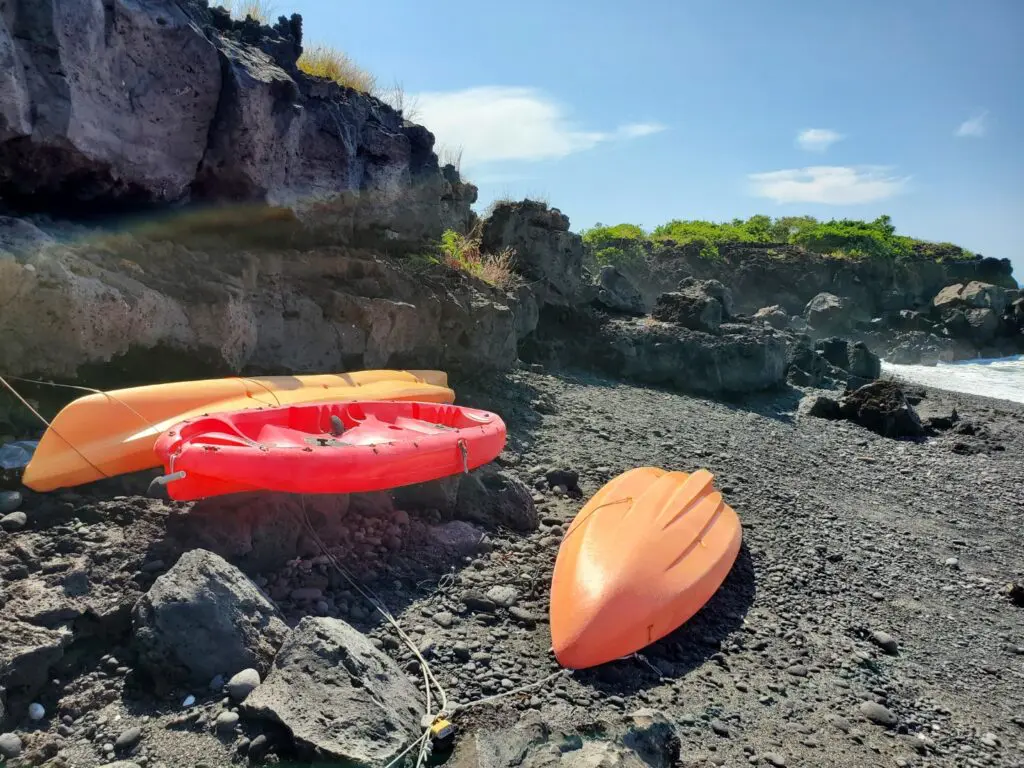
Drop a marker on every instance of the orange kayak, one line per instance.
(113, 433)
(353, 447)
(642, 557)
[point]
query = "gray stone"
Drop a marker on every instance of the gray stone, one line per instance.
(243, 683)
(204, 617)
(878, 714)
(618, 293)
(14, 521)
(503, 596)
(864, 363)
(496, 498)
(885, 641)
(10, 745)
(226, 721)
(128, 738)
(9, 502)
(374, 709)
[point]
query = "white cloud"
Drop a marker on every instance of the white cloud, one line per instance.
(502, 123)
(828, 184)
(975, 127)
(637, 130)
(818, 139)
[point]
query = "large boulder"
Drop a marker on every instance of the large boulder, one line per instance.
(338, 696)
(864, 364)
(545, 250)
(204, 618)
(973, 295)
(829, 314)
(882, 407)
(494, 498)
(774, 315)
(27, 653)
(617, 292)
(700, 305)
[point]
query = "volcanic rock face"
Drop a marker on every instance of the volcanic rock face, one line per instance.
(338, 695)
(545, 249)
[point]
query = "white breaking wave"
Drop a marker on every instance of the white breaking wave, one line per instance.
(1001, 377)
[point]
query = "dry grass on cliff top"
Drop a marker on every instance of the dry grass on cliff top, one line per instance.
(464, 253)
(327, 61)
(259, 10)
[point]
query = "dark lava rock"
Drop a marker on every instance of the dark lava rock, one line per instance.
(617, 292)
(825, 408)
(864, 363)
(495, 498)
(372, 709)
(882, 407)
(700, 305)
(567, 478)
(835, 350)
(204, 618)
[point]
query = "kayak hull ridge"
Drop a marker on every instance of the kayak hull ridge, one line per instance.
(639, 560)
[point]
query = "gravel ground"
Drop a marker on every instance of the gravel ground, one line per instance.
(866, 621)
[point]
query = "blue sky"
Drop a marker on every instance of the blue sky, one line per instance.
(660, 109)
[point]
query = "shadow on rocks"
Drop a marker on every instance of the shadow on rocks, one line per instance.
(688, 647)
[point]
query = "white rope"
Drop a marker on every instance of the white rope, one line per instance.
(447, 709)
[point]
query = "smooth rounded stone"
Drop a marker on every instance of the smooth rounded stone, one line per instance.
(258, 748)
(226, 721)
(10, 745)
(503, 596)
(990, 740)
(720, 728)
(36, 711)
(952, 562)
(243, 683)
(128, 738)
(878, 714)
(885, 641)
(444, 619)
(9, 501)
(773, 758)
(217, 683)
(15, 521)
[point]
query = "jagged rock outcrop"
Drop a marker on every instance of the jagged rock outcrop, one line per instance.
(204, 618)
(618, 293)
(144, 307)
(545, 250)
(125, 106)
(700, 305)
(827, 314)
(831, 362)
(739, 359)
(374, 709)
(774, 315)
(763, 274)
(880, 406)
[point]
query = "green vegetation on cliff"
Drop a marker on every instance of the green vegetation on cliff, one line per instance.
(839, 238)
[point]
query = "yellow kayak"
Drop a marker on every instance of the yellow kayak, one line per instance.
(113, 433)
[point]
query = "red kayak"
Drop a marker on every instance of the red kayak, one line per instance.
(344, 447)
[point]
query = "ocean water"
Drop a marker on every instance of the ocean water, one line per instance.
(1001, 377)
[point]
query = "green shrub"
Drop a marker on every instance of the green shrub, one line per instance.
(840, 238)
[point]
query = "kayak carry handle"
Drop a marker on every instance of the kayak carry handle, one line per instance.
(158, 486)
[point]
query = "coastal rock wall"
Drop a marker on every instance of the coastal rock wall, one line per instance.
(789, 276)
(127, 106)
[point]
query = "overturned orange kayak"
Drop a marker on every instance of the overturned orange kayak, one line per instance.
(113, 433)
(352, 447)
(641, 558)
